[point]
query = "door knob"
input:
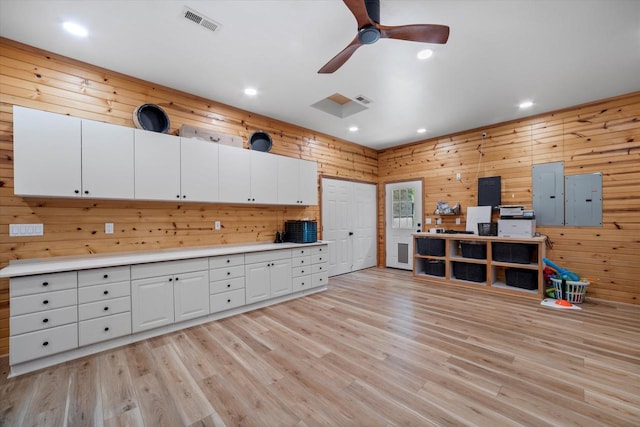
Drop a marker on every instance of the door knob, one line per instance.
(351, 233)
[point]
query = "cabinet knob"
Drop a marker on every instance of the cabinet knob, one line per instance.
(106, 292)
(177, 279)
(302, 271)
(184, 196)
(76, 191)
(86, 191)
(171, 279)
(106, 329)
(106, 308)
(46, 343)
(302, 251)
(302, 284)
(228, 261)
(320, 258)
(229, 300)
(253, 200)
(45, 283)
(45, 302)
(105, 276)
(228, 273)
(45, 320)
(301, 261)
(249, 199)
(177, 196)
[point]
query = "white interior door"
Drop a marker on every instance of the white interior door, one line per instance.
(349, 225)
(403, 218)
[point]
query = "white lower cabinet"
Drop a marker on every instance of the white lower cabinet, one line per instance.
(104, 328)
(268, 275)
(47, 342)
(180, 291)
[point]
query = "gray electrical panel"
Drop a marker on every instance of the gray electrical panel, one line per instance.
(548, 193)
(584, 200)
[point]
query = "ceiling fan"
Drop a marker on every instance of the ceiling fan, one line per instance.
(367, 14)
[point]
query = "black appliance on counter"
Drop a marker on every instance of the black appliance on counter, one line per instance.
(303, 231)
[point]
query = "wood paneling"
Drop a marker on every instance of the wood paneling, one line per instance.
(33, 78)
(599, 137)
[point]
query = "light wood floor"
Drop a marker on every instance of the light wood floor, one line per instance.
(377, 349)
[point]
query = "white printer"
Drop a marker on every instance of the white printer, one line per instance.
(515, 221)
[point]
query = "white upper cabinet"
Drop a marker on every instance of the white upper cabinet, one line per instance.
(157, 166)
(297, 181)
(264, 177)
(46, 154)
(107, 160)
(199, 170)
(234, 174)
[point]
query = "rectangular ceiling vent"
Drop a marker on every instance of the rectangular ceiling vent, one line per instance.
(200, 19)
(363, 100)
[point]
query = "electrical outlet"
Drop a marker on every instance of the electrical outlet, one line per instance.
(457, 221)
(458, 176)
(108, 228)
(217, 225)
(439, 221)
(427, 221)
(16, 230)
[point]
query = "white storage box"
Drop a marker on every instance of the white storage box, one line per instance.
(187, 131)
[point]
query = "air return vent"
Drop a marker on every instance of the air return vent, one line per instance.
(363, 100)
(200, 19)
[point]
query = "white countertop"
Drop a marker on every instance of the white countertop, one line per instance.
(30, 267)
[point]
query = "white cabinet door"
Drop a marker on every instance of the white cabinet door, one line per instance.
(157, 166)
(191, 295)
(264, 177)
(308, 179)
(280, 278)
(257, 282)
(199, 170)
(46, 153)
(234, 174)
(107, 160)
(151, 303)
(288, 176)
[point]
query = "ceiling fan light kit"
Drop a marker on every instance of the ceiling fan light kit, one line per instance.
(367, 14)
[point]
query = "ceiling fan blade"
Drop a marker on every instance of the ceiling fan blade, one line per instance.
(359, 10)
(342, 57)
(425, 33)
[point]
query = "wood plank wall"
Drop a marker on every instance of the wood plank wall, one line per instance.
(37, 79)
(599, 137)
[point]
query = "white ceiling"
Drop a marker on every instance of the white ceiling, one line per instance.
(558, 53)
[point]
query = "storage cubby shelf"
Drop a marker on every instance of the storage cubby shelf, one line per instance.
(437, 256)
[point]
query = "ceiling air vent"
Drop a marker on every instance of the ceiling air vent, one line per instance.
(363, 100)
(200, 19)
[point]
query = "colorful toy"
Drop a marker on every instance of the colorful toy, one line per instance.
(562, 272)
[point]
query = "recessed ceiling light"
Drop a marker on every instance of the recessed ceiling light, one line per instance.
(425, 54)
(525, 104)
(353, 129)
(422, 130)
(250, 91)
(75, 29)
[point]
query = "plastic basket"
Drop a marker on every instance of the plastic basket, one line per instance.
(574, 292)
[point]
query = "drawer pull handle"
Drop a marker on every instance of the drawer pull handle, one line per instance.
(229, 300)
(45, 320)
(228, 285)
(106, 329)
(171, 279)
(106, 276)
(320, 258)
(228, 273)
(177, 279)
(46, 343)
(301, 261)
(106, 308)
(45, 302)
(106, 292)
(302, 283)
(302, 251)
(45, 283)
(302, 271)
(228, 261)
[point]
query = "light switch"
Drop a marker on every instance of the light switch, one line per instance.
(108, 228)
(16, 230)
(427, 221)
(457, 221)
(217, 225)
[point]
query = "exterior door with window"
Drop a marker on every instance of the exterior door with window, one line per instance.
(403, 219)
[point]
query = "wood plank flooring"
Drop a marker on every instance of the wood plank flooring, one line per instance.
(377, 349)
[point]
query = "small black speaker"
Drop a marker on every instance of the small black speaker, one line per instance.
(489, 192)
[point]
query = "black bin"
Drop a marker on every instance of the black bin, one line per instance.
(470, 272)
(477, 250)
(434, 268)
(522, 278)
(431, 247)
(519, 253)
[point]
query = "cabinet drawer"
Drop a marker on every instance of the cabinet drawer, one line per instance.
(301, 261)
(320, 268)
(301, 283)
(43, 283)
(42, 320)
(92, 310)
(103, 292)
(316, 250)
(104, 328)
(226, 285)
(44, 301)
(104, 275)
(44, 343)
(226, 261)
(304, 251)
(226, 273)
(301, 271)
(267, 256)
(320, 279)
(226, 300)
(167, 268)
(318, 258)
